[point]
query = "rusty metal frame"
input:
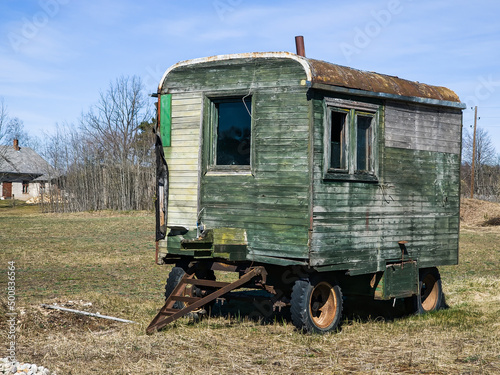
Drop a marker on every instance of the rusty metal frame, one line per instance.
(168, 313)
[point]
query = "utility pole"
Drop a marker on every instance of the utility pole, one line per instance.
(473, 154)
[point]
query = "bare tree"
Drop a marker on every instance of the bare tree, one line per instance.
(3, 119)
(3, 131)
(109, 158)
(486, 176)
(15, 130)
(115, 121)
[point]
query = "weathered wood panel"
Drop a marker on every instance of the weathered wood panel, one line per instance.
(236, 74)
(182, 159)
(357, 225)
(271, 204)
(423, 128)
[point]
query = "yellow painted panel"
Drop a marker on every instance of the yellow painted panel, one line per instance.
(182, 153)
(185, 195)
(184, 179)
(193, 113)
(180, 121)
(187, 95)
(189, 129)
(182, 168)
(184, 161)
(189, 144)
(182, 158)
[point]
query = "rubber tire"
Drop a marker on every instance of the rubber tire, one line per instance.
(174, 277)
(303, 316)
(430, 297)
(206, 274)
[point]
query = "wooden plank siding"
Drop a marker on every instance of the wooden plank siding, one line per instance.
(182, 159)
(237, 74)
(272, 202)
(357, 225)
(289, 208)
(423, 128)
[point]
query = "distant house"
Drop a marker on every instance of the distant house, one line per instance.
(23, 173)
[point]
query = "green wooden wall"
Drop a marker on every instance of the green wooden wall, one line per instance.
(357, 225)
(272, 203)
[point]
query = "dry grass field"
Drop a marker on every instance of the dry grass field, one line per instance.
(104, 262)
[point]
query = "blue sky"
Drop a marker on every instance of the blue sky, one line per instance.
(56, 55)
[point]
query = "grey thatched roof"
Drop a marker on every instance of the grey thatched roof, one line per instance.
(25, 162)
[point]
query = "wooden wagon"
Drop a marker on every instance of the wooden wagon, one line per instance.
(310, 179)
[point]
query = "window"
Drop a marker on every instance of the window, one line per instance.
(364, 143)
(338, 141)
(26, 185)
(231, 132)
(350, 139)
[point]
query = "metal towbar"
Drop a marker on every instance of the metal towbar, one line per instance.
(168, 313)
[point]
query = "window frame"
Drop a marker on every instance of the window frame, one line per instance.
(344, 142)
(372, 159)
(353, 109)
(210, 134)
(26, 187)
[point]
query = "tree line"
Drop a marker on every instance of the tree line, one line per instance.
(486, 182)
(106, 160)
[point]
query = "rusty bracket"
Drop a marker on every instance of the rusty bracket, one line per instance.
(279, 305)
(404, 251)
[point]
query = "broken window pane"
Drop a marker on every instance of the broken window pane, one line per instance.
(364, 143)
(338, 141)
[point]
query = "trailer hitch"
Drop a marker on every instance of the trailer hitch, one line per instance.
(168, 313)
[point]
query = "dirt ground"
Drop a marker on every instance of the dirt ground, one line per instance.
(477, 213)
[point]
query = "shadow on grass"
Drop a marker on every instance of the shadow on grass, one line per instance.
(256, 306)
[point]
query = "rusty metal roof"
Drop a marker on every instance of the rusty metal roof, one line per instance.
(324, 73)
(342, 76)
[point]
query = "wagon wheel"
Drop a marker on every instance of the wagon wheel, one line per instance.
(431, 293)
(316, 306)
(430, 296)
(175, 276)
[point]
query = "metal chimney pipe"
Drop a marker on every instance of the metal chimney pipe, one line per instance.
(299, 45)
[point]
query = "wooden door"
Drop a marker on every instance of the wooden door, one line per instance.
(7, 190)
